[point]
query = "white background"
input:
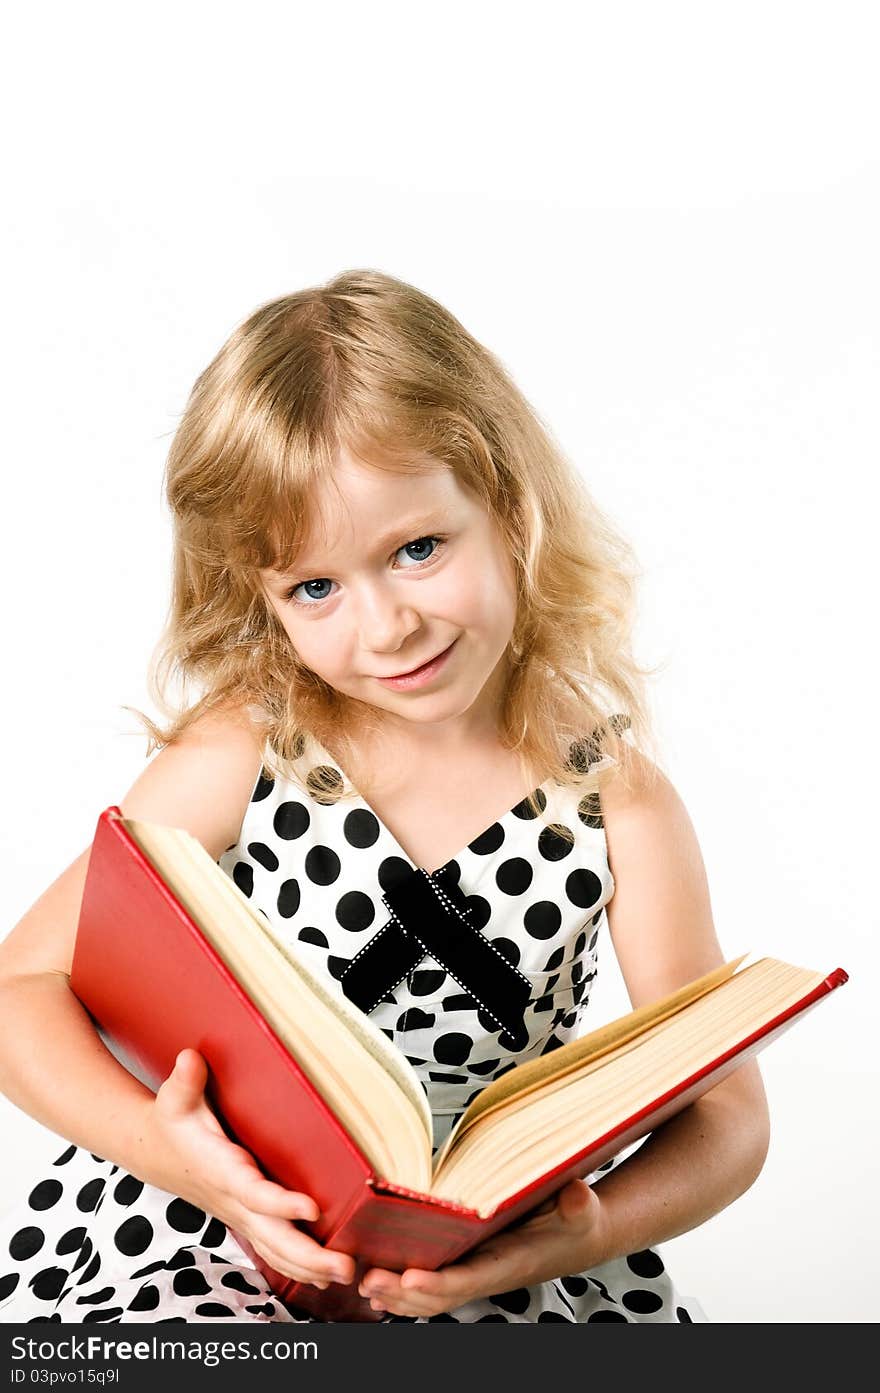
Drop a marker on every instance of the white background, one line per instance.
(664, 219)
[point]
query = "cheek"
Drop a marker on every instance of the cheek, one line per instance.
(316, 645)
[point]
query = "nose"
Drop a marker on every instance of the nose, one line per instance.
(385, 619)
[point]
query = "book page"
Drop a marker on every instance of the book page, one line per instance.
(342, 1058)
(536, 1073)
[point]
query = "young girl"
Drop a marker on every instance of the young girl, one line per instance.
(410, 630)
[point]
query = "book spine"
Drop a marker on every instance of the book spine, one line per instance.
(394, 1229)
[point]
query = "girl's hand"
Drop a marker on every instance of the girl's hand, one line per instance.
(559, 1238)
(197, 1161)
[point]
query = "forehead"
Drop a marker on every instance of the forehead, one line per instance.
(358, 505)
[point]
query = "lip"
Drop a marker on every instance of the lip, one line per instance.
(418, 676)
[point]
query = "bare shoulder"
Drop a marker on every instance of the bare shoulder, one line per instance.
(202, 781)
(660, 914)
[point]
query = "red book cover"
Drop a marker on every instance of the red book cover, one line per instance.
(155, 985)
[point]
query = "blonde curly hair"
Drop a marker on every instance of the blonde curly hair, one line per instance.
(373, 363)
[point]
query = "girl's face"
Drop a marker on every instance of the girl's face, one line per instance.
(404, 594)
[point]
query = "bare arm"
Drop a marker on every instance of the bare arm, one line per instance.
(661, 926)
(54, 1066)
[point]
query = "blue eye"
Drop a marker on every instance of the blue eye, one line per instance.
(307, 586)
(422, 542)
(425, 547)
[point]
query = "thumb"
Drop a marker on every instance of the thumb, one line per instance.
(188, 1077)
(575, 1200)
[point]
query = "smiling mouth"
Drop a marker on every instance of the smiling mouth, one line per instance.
(390, 677)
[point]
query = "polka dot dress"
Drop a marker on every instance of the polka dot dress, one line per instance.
(93, 1243)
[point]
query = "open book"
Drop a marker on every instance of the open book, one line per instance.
(170, 953)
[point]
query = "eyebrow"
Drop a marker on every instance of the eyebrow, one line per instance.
(409, 529)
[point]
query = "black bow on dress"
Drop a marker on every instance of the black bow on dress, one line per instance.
(430, 914)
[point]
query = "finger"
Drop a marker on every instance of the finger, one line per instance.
(185, 1085)
(266, 1197)
(575, 1200)
(306, 1261)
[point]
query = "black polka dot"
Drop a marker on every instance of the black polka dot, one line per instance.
(90, 1273)
(642, 1302)
(109, 1313)
(516, 1301)
(71, 1241)
(555, 842)
(527, 813)
(485, 1066)
(336, 966)
(542, 920)
(607, 1316)
(584, 753)
(44, 1195)
(310, 935)
(214, 1234)
(361, 828)
(514, 876)
(95, 1298)
(88, 1197)
(185, 1217)
(8, 1284)
(48, 1284)
(322, 865)
(392, 871)
(355, 911)
(508, 949)
(191, 1282)
(266, 1308)
(147, 1299)
(243, 875)
(414, 1019)
(127, 1190)
(265, 784)
(184, 1257)
(134, 1236)
(646, 1263)
(25, 1243)
(325, 784)
(556, 956)
(288, 898)
(683, 1315)
(546, 1317)
(85, 1253)
(583, 888)
(590, 811)
(237, 1281)
(575, 1285)
(452, 1048)
(215, 1308)
(425, 981)
(291, 820)
(263, 855)
(65, 1156)
(488, 841)
(461, 1001)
